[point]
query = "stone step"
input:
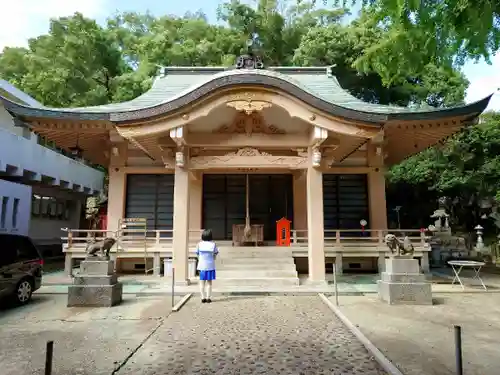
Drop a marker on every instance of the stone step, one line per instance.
(255, 255)
(282, 250)
(243, 261)
(246, 248)
(257, 281)
(256, 266)
(260, 249)
(229, 274)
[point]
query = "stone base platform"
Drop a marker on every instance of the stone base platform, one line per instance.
(95, 285)
(403, 284)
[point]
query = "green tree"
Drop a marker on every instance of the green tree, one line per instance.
(466, 169)
(73, 65)
(63, 69)
(341, 46)
(440, 32)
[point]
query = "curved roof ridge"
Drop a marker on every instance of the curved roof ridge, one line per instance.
(156, 94)
(315, 86)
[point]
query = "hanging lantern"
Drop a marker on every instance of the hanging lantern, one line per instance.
(76, 151)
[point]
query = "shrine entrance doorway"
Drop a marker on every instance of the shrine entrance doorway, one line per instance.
(270, 197)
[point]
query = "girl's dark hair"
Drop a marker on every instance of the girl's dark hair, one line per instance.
(206, 235)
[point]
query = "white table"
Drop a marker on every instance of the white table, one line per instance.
(458, 265)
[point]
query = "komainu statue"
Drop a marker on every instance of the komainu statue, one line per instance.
(104, 246)
(398, 247)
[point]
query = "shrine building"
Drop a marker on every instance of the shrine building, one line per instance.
(240, 148)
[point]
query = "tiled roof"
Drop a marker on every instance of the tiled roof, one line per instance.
(180, 85)
(179, 81)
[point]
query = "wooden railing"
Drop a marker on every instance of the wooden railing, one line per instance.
(298, 237)
(372, 237)
(137, 240)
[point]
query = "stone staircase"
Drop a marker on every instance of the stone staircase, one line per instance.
(263, 266)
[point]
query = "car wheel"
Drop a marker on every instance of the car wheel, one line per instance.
(24, 291)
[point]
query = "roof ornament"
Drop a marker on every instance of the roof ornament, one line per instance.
(249, 60)
(161, 71)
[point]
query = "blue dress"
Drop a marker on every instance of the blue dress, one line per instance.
(206, 251)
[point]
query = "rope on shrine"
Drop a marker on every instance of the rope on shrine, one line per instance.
(247, 232)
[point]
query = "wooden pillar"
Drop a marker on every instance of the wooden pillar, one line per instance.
(300, 202)
(376, 187)
(315, 235)
(195, 201)
(117, 181)
(116, 197)
(376, 198)
(181, 226)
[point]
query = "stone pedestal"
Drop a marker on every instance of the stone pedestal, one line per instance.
(403, 284)
(95, 285)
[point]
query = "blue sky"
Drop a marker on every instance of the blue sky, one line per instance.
(23, 19)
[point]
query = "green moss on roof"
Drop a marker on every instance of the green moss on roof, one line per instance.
(180, 85)
(179, 81)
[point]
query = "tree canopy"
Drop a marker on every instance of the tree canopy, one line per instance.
(395, 52)
(468, 165)
(79, 62)
(441, 32)
(466, 169)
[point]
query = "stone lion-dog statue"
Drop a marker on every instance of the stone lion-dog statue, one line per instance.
(398, 247)
(103, 246)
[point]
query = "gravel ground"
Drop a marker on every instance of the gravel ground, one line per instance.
(264, 335)
(420, 339)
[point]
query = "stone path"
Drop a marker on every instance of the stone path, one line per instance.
(252, 335)
(87, 341)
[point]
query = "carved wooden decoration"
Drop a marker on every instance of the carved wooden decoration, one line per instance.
(316, 157)
(248, 158)
(249, 107)
(247, 103)
(249, 124)
(329, 154)
(168, 162)
(179, 159)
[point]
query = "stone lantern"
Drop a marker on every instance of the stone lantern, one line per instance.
(479, 242)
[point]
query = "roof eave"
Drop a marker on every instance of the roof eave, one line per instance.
(17, 110)
(248, 79)
(475, 108)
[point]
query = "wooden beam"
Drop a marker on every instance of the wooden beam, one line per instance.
(318, 136)
(141, 147)
(177, 134)
(375, 154)
(196, 175)
(119, 154)
(243, 140)
(347, 170)
(147, 170)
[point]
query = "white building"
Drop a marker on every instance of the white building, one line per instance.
(41, 190)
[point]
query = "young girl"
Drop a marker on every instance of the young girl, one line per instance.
(207, 251)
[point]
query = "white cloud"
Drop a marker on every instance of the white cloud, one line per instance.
(24, 19)
(484, 80)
